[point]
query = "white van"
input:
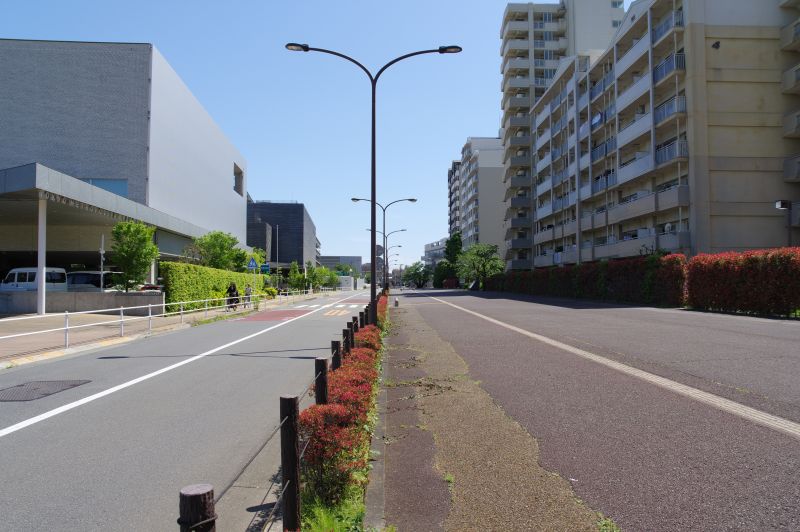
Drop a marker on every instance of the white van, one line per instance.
(89, 281)
(22, 279)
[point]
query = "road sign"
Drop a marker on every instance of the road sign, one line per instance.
(265, 268)
(252, 264)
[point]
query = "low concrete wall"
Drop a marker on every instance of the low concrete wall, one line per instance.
(25, 302)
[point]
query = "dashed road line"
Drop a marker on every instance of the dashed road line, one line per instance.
(726, 405)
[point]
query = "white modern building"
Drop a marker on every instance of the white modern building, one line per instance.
(92, 133)
(480, 190)
(434, 252)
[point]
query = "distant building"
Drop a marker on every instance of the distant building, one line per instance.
(331, 261)
(434, 252)
(293, 234)
(454, 197)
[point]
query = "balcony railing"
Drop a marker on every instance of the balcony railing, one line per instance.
(599, 152)
(674, 150)
(673, 19)
(669, 65)
(671, 107)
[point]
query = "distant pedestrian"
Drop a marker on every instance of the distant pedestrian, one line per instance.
(247, 293)
(232, 295)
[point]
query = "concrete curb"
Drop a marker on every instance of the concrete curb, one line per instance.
(375, 496)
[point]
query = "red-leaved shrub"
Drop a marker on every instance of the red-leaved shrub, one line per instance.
(369, 336)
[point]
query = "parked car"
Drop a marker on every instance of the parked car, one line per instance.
(89, 281)
(151, 288)
(24, 279)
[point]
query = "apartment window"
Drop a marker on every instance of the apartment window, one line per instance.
(548, 35)
(549, 54)
(238, 180)
(547, 17)
(616, 4)
(616, 23)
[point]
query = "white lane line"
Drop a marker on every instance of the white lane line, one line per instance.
(340, 306)
(726, 405)
(353, 306)
(80, 402)
(313, 306)
(300, 306)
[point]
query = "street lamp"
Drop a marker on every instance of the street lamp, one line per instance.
(786, 205)
(386, 239)
(298, 47)
(412, 200)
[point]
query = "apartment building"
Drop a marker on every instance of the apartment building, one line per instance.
(680, 136)
(454, 197)
(434, 252)
(535, 37)
(481, 192)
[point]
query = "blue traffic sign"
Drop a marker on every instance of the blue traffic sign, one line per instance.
(265, 268)
(252, 264)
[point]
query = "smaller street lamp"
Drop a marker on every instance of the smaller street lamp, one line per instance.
(786, 205)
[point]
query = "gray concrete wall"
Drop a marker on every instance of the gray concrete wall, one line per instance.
(191, 160)
(79, 108)
(25, 302)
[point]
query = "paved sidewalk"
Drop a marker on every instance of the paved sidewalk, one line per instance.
(454, 460)
(42, 346)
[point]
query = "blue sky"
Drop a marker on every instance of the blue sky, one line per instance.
(302, 120)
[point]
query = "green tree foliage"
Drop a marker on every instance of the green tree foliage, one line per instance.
(133, 251)
(346, 269)
(452, 248)
(218, 250)
(444, 270)
(479, 262)
(297, 280)
(418, 273)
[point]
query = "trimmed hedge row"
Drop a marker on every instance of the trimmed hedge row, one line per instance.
(756, 282)
(652, 280)
(190, 282)
(763, 282)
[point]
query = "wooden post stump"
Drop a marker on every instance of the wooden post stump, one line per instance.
(196, 509)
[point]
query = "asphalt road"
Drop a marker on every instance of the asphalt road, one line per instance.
(642, 454)
(117, 461)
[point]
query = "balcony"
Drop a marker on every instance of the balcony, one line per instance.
(522, 45)
(584, 162)
(513, 25)
(568, 256)
(515, 82)
(515, 63)
(583, 100)
(518, 264)
(643, 124)
(520, 222)
(570, 228)
(586, 191)
(599, 219)
(542, 261)
(791, 125)
(518, 243)
(540, 117)
(630, 247)
(672, 107)
(520, 160)
(517, 121)
(545, 235)
(633, 93)
(634, 168)
(673, 63)
(523, 141)
(520, 202)
(674, 197)
(643, 203)
(631, 56)
(543, 187)
(555, 44)
(790, 36)
(791, 169)
(544, 210)
(663, 28)
(672, 151)
(517, 102)
(791, 80)
(542, 139)
(675, 240)
(545, 63)
(519, 181)
(543, 163)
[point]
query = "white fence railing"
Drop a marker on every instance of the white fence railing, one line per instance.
(178, 308)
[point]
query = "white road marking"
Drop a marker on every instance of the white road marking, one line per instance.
(313, 306)
(300, 306)
(726, 405)
(353, 306)
(340, 306)
(80, 402)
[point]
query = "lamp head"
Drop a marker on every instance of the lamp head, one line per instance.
(451, 49)
(297, 47)
(412, 200)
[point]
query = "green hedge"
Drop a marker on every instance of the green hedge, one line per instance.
(189, 282)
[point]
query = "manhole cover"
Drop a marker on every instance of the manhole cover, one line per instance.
(36, 390)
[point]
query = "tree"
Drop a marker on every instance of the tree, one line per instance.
(218, 250)
(418, 273)
(479, 262)
(444, 270)
(346, 269)
(452, 248)
(133, 251)
(296, 279)
(258, 254)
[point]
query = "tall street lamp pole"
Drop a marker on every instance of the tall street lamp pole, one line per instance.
(412, 200)
(297, 47)
(386, 242)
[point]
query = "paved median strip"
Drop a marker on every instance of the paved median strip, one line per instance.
(80, 402)
(751, 414)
